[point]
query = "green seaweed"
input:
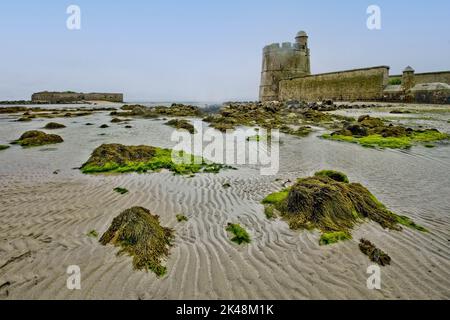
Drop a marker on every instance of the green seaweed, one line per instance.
(276, 197)
(335, 175)
(121, 190)
(333, 206)
(407, 222)
(3, 147)
(92, 234)
(334, 237)
(405, 142)
(140, 235)
(375, 255)
(182, 218)
(257, 138)
(240, 234)
(300, 132)
(269, 211)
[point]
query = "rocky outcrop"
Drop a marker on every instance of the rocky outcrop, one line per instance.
(54, 125)
(37, 138)
(181, 125)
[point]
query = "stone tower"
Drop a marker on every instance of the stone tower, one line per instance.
(408, 80)
(285, 61)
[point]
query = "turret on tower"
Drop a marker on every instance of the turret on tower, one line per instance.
(302, 40)
(281, 62)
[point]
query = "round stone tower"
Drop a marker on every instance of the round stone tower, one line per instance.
(285, 61)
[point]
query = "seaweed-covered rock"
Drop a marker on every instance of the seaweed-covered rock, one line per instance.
(37, 138)
(373, 132)
(222, 127)
(3, 147)
(4, 110)
(140, 234)
(374, 254)
(54, 125)
(342, 133)
(104, 126)
(25, 119)
(394, 131)
(369, 122)
(400, 112)
(330, 204)
(117, 120)
(181, 124)
(316, 116)
(122, 159)
(119, 155)
(302, 131)
(270, 115)
(175, 110)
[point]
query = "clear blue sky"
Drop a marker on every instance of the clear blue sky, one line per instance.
(204, 50)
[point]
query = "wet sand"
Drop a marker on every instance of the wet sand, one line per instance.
(44, 219)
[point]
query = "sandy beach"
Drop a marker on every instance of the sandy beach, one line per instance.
(47, 208)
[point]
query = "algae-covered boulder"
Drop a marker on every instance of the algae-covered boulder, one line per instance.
(181, 125)
(140, 235)
(316, 116)
(37, 138)
(369, 122)
(120, 155)
(54, 125)
(3, 147)
(117, 120)
(329, 203)
(122, 159)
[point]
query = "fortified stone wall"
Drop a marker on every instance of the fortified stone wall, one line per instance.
(358, 84)
(429, 77)
(67, 97)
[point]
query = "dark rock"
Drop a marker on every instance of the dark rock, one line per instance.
(54, 125)
(358, 130)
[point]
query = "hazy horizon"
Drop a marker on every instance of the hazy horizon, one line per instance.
(202, 50)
